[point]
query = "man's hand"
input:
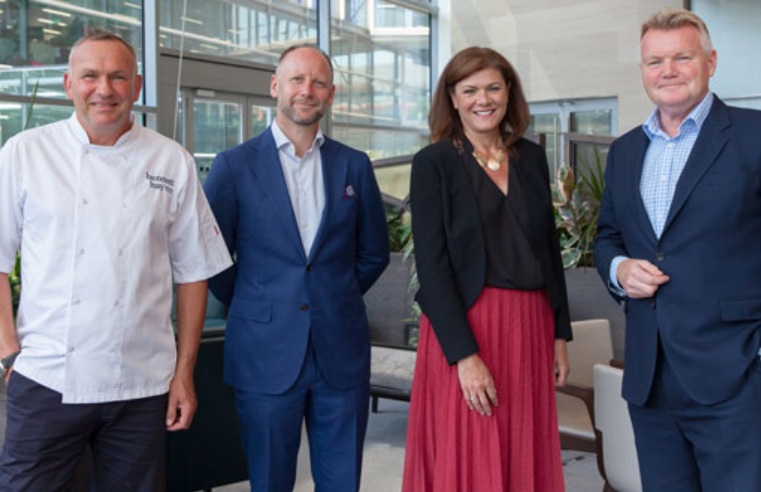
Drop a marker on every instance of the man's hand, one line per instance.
(182, 404)
(640, 278)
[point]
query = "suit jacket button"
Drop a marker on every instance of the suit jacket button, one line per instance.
(309, 267)
(305, 307)
(660, 256)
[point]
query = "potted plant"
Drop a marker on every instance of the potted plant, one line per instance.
(576, 200)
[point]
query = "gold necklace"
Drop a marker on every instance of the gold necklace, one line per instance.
(493, 163)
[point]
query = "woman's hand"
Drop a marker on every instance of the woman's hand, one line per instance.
(562, 367)
(477, 384)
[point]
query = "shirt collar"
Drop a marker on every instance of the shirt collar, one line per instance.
(282, 142)
(81, 134)
(695, 119)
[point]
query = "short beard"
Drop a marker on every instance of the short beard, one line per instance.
(292, 115)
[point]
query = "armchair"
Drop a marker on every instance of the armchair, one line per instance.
(591, 345)
(619, 454)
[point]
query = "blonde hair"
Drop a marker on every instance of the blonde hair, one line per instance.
(672, 18)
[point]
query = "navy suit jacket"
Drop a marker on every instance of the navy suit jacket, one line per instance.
(708, 316)
(277, 296)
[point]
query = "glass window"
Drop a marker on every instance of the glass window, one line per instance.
(37, 36)
(382, 77)
(379, 142)
(549, 126)
(595, 122)
(255, 31)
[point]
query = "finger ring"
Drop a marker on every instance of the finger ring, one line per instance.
(472, 398)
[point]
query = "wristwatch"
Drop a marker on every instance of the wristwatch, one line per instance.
(7, 362)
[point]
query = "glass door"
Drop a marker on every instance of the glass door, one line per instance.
(214, 121)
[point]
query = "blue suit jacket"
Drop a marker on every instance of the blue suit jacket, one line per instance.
(277, 296)
(708, 316)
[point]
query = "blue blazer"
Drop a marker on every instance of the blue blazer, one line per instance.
(277, 296)
(708, 316)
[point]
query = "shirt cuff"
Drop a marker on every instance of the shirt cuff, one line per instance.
(613, 279)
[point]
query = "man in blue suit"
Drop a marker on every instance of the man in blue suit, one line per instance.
(680, 242)
(303, 217)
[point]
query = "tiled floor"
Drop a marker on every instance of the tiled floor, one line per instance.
(384, 456)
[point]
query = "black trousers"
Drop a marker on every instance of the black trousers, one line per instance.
(46, 439)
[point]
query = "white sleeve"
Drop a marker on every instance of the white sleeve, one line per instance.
(10, 208)
(196, 247)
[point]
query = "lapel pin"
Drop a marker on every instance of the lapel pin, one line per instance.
(348, 192)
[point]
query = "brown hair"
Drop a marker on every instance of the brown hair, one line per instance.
(444, 120)
(671, 18)
(97, 34)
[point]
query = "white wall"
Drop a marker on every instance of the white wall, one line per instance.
(565, 49)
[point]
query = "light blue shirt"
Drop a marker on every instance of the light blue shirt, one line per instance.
(303, 177)
(664, 162)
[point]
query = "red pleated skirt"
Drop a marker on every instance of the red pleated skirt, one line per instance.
(453, 449)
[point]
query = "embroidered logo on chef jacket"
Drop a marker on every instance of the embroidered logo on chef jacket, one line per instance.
(160, 182)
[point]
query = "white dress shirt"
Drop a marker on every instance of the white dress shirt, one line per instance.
(303, 176)
(103, 231)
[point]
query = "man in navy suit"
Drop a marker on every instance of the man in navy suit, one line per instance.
(303, 217)
(680, 242)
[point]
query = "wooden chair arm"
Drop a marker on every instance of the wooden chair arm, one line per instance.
(585, 393)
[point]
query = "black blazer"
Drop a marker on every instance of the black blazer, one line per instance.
(450, 253)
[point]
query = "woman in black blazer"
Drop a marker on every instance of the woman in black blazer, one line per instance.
(495, 313)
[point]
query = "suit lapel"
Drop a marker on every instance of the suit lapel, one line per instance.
(334, 172)
(704, 153)
(633, 177)
(269, 173)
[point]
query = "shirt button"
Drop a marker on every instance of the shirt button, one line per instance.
(117, 303)
(76, 302)
(81, 251)
(84, 201)
(305, 307)
(71, 349)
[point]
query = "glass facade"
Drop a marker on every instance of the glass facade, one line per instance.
(380, 48)
(37, 35)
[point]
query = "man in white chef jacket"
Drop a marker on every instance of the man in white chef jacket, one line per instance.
(107, 215)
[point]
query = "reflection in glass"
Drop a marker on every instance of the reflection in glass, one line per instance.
(37, 35)
(261, 117)
(595, 122)
(382, 76)
(13, 116)
(380, 143)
